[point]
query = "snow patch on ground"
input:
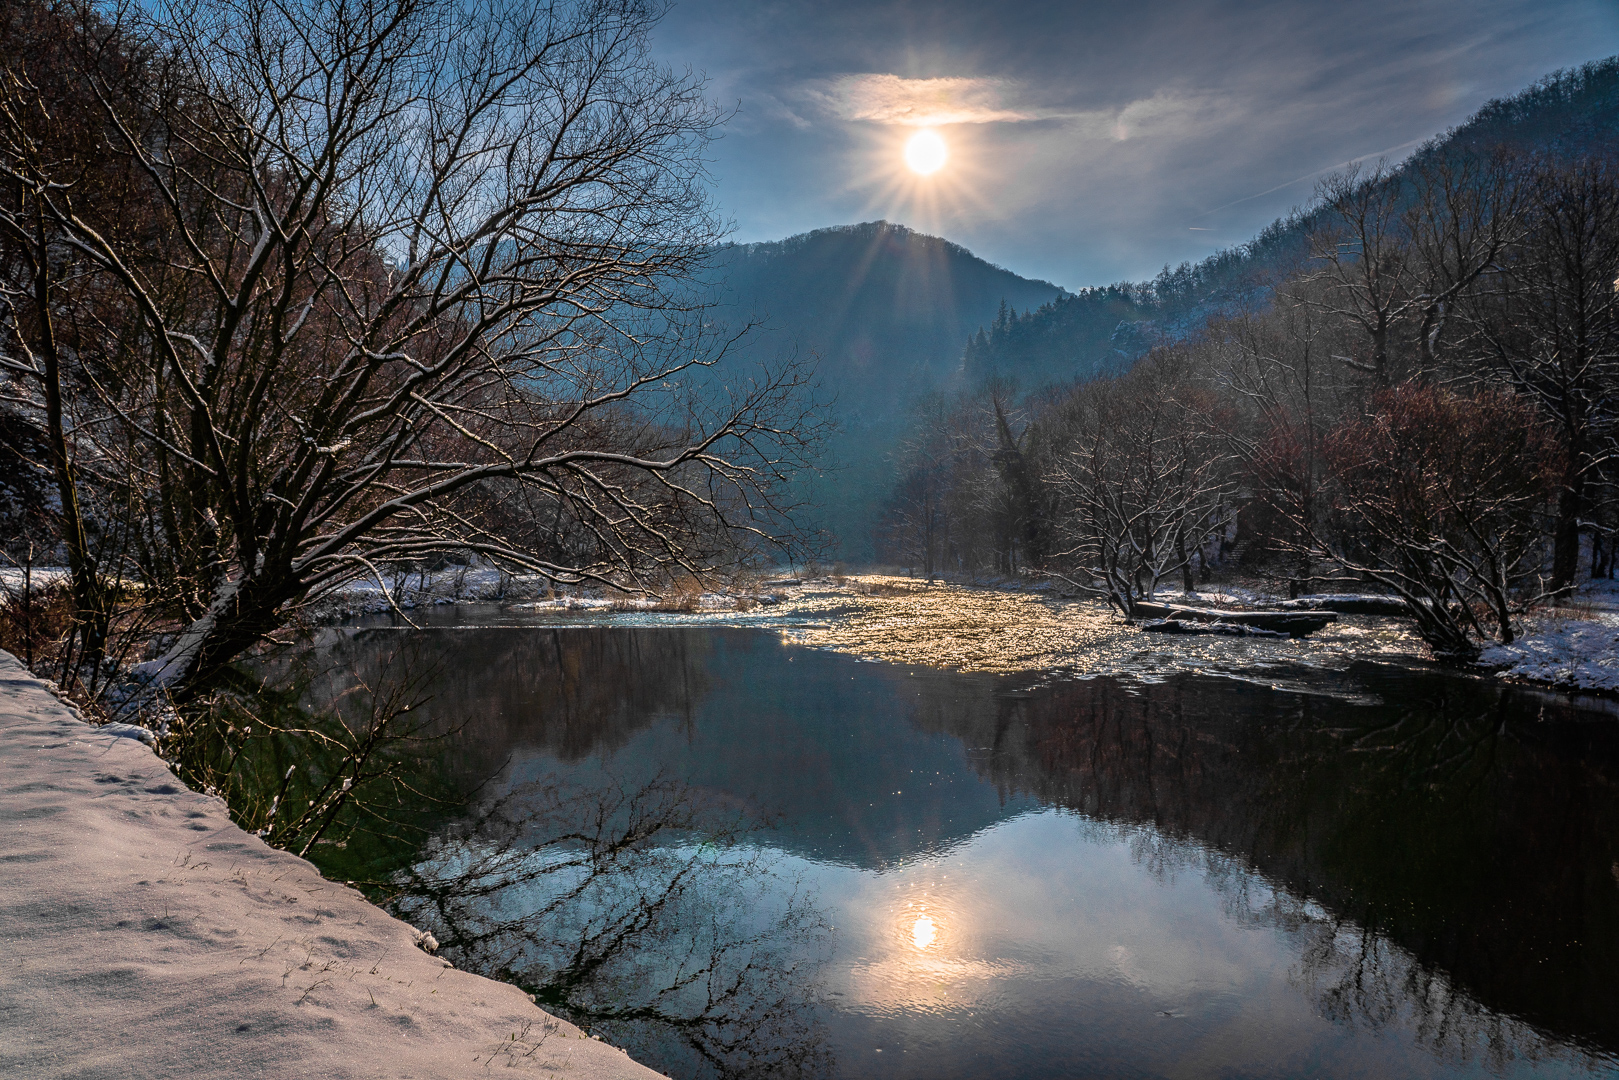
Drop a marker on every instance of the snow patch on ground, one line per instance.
(13, 578)
(148, 936)
(1575, 655)
(1575, 647)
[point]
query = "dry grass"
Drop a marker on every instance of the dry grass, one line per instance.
(34, 623)
(880, 589)
(681, 599)
(1579, 610)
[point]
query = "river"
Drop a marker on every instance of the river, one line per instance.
(788, 843)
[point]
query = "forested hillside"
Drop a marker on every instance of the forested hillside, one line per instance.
(1095, 330)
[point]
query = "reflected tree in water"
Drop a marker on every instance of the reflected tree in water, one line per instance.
(352, 778)
(638, 909)
(1444, 846)
(639, 913)
(1356, 976)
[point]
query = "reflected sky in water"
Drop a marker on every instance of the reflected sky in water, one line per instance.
(1414, 874)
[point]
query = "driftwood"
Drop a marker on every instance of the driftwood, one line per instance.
(1349, 604)
(1291, 623)
(1175, 626)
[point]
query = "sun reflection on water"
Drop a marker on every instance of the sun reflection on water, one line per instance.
(923, 932)
(905, 621)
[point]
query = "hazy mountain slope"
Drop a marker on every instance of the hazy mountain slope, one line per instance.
(880, 305)
(883, 311)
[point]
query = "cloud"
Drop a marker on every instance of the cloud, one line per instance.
(892, 100)
(1152, 115)
(889, 99)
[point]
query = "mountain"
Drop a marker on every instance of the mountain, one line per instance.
(883, 311)
(1093, 330)
(880, 304)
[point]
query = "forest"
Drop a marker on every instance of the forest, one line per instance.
(1412, 391)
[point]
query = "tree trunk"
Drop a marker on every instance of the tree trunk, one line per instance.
(1566, 531)
(89, 609)
(239, 616)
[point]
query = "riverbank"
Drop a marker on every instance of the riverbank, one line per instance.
(145, 935)
(1571, 647)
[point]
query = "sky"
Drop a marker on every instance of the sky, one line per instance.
(1093, 142)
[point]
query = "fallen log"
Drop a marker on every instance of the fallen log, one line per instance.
(1175, 626)
(1349, 604)
(1292, 623)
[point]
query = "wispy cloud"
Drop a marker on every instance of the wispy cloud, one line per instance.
(900, 102)
(1163, 113)
(889, 99)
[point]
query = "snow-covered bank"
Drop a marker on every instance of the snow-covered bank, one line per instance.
(1575, 647)
(481, 585)
(147, 936)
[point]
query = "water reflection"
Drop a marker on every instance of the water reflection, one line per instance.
(636, 912)
(1414, 875)
(1473, 831)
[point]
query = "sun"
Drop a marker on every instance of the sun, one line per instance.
(926, 152)
(927, 175)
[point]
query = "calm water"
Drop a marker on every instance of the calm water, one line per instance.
(975, 875)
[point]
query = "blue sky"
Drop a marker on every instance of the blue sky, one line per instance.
(1093, 142)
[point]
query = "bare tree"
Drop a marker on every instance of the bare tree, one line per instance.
(53, 138)
(1441, 498)
(1274, 363)
(1397, 248)
(414, 262)
(966, 490)
(1464, 213)
(1139, 480)
(1365, 264)
(1549, 323)
(918, 523)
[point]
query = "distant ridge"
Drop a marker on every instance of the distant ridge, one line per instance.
(868, 229)
(877, 301)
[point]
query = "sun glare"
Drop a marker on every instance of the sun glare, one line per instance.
(926, 152)
(923, 932)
